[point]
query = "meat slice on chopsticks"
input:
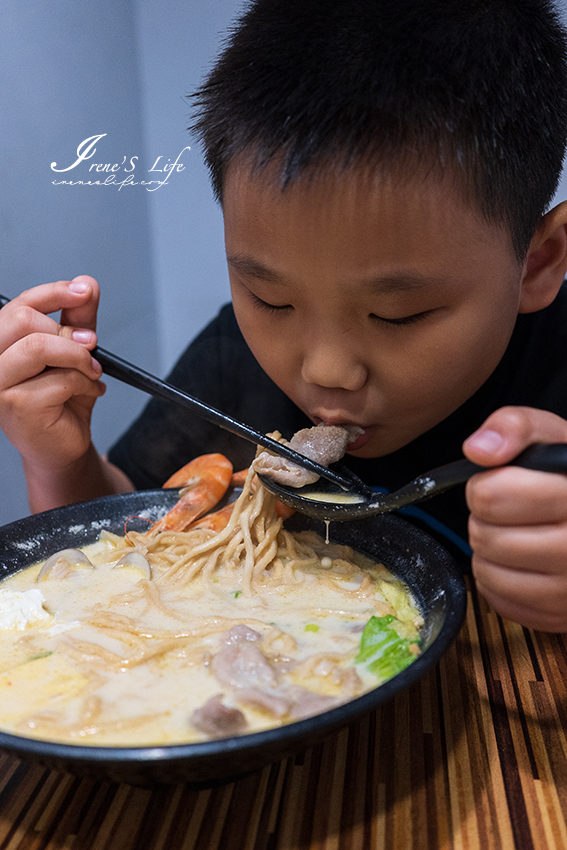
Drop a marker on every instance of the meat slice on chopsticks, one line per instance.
(325, 444)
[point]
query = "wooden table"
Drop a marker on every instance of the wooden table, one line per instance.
(472, 756)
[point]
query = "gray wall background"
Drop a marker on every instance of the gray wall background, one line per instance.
(72, 69)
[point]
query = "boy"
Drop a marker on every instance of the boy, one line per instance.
(384, 169)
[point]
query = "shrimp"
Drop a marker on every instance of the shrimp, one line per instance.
(283, 511)
(238, 478)
(218, 520)
(204, 480)
(215, 521)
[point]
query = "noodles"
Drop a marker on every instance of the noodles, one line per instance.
(233, 632)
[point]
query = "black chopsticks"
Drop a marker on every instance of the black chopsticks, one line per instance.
(126, 372)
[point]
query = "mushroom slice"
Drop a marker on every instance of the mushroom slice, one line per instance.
(70, 557)
(135, 559)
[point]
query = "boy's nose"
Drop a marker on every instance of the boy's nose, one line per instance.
(329, 366)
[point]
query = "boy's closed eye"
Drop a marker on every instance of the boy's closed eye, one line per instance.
(393, 321)
(402, 321)
(269, 308)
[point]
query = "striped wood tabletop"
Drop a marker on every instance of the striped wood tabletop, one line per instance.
(472, 756)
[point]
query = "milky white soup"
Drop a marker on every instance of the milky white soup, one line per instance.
(202, 635)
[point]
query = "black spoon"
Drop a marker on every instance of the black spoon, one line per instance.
(316, 500)
(126, 372)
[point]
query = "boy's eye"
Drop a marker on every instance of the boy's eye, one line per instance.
(269, 308)
(403, 320)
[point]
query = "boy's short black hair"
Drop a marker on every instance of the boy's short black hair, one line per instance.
(480, 85)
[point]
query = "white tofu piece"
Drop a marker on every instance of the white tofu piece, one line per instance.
(19, 608)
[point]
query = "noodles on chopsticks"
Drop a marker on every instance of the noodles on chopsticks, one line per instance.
(254, 550)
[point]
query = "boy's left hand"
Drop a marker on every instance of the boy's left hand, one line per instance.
(518, 522)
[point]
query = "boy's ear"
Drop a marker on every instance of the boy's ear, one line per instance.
(546, 263)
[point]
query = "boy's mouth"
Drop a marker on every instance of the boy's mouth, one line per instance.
(360, 441)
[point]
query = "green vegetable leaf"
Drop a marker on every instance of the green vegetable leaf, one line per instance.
(382, 649)
(311, 627)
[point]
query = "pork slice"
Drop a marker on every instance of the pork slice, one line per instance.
(218, 720)
(324, 443)
(307, 703)
(243, 665)
(240, 634)
(271, 703)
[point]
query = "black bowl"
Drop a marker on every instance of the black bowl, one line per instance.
(416, 558)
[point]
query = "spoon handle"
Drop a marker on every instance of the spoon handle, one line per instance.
(545, 457)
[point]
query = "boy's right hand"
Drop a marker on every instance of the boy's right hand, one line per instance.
(49, 381)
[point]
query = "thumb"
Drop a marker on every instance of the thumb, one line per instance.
(509, 431)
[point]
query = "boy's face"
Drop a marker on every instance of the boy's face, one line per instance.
(380, 304)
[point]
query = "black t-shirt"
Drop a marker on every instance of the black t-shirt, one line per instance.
(219, 368)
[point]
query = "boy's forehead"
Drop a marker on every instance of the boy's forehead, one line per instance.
(329, 179)
(361, 188)
(368, 206)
